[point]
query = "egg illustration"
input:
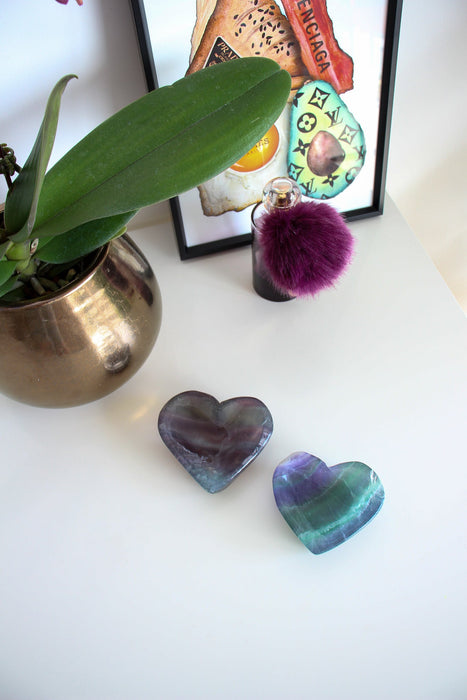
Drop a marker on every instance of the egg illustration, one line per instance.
(261, 153)
(242, 184)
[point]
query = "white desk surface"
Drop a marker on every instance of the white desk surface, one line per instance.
(122, 579)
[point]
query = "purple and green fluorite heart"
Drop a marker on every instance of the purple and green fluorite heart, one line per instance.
(214, 441)
(324, 505)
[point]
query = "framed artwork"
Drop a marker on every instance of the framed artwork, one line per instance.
(333, 135)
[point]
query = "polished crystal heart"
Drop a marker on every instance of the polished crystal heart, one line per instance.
(214, 441)
(324, 505)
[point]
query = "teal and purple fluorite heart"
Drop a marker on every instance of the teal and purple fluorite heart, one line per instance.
(324, 505)
(214, 441)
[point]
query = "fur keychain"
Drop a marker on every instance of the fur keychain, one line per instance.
(306, 247)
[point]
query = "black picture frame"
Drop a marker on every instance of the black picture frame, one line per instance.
(388, 71)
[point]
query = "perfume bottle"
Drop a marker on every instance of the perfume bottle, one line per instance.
(279, 193)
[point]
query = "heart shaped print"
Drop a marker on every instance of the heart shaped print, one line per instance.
(214, 441)
(324, 505)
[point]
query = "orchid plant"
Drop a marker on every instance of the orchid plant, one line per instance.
(159, 146)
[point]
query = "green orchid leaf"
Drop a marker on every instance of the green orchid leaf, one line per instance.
(165, 143)
(82, 239)
(22, 199)
(8, 287)
(7, 269)
(3, 248)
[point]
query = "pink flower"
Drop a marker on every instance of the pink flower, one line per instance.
(64, 2)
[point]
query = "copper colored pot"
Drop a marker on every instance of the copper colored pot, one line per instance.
(77, 345)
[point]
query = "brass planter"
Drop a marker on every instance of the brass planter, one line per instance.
(82, 343)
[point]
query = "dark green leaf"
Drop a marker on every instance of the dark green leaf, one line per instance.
(12, 290)
(7, 268)
(83, 239)
(21, 201)
(169, 141)
(3, 248)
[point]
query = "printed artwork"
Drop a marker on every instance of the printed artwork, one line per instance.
(327, 145)
(317, 141)
(326, 137)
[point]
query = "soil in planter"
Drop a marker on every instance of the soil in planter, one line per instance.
(50, 278)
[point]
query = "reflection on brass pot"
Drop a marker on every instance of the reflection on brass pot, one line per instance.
(77, 345)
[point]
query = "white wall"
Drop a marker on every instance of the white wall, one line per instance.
(428, 149)
(97, 41)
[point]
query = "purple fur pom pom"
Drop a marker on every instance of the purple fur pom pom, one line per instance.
(306, 248)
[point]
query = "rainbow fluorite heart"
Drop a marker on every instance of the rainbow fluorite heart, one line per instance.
(214, 441)
(324, 505)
